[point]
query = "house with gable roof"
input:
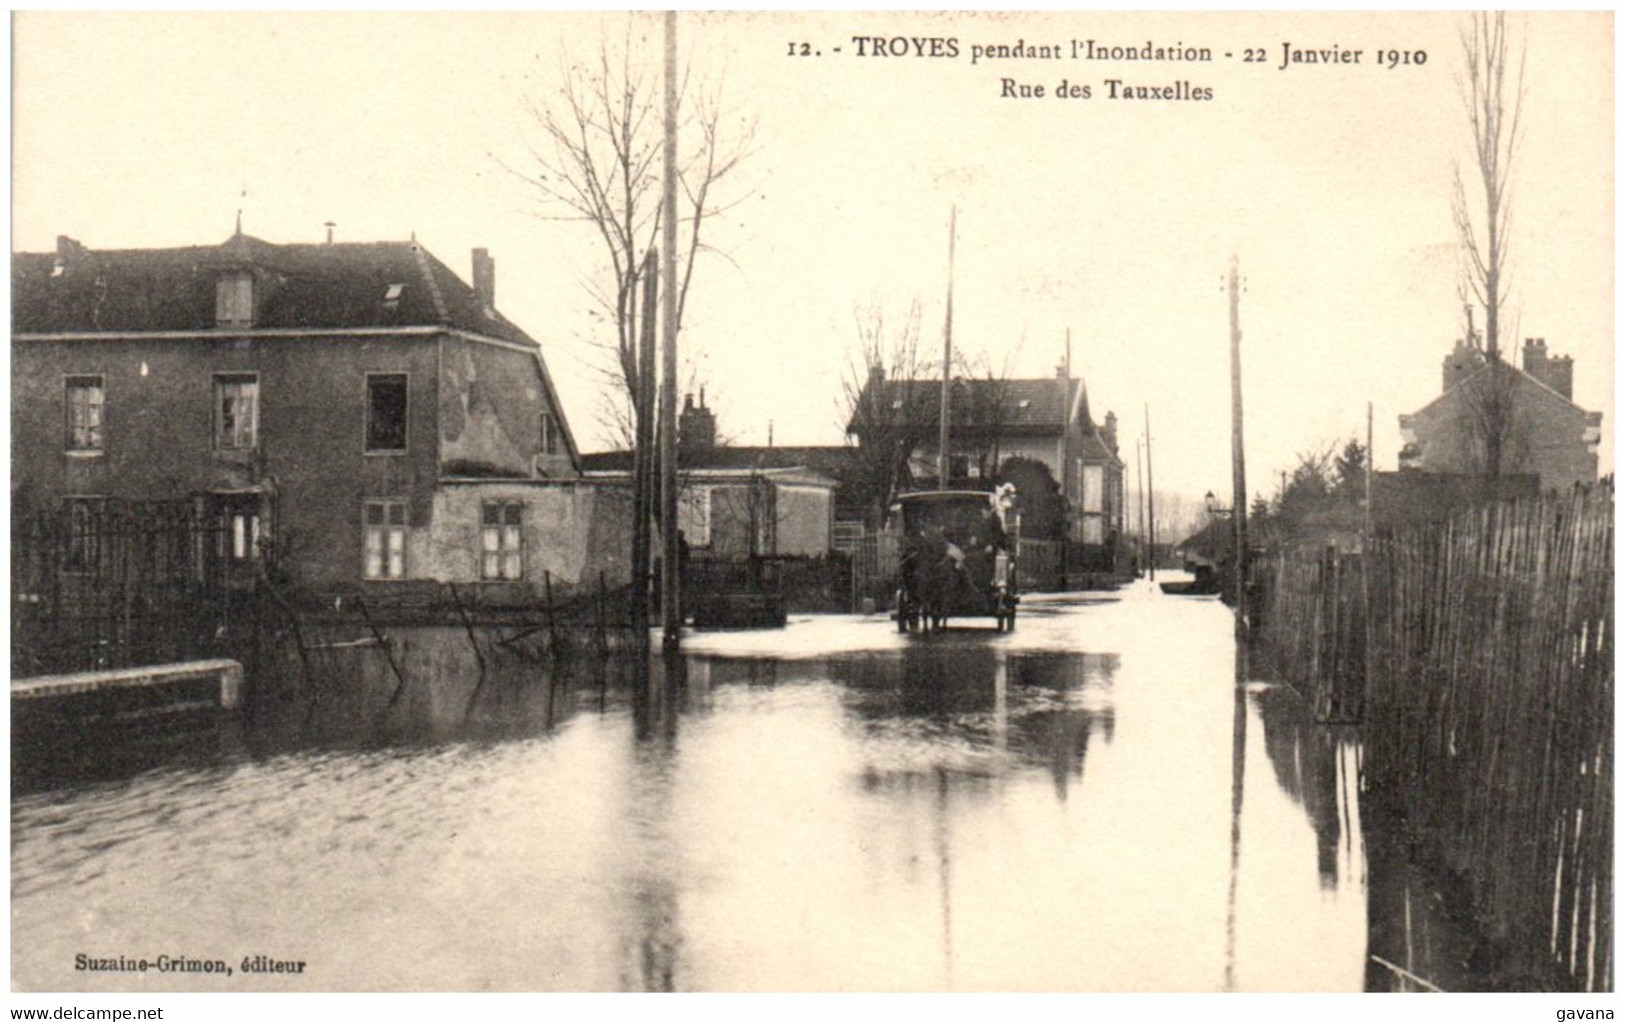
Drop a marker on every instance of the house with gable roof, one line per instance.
(356, 410)
(1543, 433)
(994, 420)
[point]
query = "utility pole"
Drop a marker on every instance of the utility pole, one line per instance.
(1150, 494)
(643, 454)
(1139, 486)
(670, 587)
(947, 361)
(1238, 467)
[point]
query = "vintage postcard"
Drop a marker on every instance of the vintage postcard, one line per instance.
(1081, 502)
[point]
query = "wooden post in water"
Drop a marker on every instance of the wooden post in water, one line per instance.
(603, 634)
(552, 618)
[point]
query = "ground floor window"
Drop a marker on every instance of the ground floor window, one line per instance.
(385, 539)
(502, 553)
(86, 522)
(237, 519)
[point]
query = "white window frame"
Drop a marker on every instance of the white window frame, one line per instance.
(502, 540)
(85, 422)
(384, 531)
(244, 433)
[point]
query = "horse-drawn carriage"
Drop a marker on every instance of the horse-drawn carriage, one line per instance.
(955, 559)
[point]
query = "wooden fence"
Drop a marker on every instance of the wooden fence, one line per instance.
(1315, 627)
(1487, 704)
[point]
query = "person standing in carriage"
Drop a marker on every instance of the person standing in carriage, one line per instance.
(987, 539)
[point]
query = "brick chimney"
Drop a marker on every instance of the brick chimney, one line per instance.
(696, 426)
(485, 278)
(1109, 431)
(1534, 357)
(68, 252)
(1560, 375)
(1463, 361)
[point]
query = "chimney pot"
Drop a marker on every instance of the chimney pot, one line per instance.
(485, 278)
(67, 249)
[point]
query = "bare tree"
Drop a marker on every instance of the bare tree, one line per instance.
(887, 400)
(986, 414)
(595, 152)
(1496, 437)
(1492, 91)
(1493, 113)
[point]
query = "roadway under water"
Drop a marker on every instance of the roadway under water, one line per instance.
(1091, 803)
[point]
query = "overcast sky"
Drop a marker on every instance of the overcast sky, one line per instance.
(1109, 218)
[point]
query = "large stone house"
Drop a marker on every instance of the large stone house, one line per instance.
(1528, 413)
(992, 421)
(356, 411)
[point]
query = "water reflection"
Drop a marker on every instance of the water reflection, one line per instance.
(953, 814)
(1317, 766)
(982, 709)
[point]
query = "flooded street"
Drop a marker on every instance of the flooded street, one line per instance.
(1088, 804)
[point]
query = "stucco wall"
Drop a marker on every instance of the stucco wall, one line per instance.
(803, 521)
(491, 404)
(571, 531)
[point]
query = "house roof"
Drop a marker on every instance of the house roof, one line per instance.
(828, 461)
(1017, 407)
(596, 465)
(1523, 379)
(336, 286)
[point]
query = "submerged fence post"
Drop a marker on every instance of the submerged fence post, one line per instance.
(552, 625)
(603, 633)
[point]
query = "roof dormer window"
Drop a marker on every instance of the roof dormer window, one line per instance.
(392, 296)
(234, 300)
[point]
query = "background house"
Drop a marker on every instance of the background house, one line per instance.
(355, 410)
(991, 421)
(1530, 411)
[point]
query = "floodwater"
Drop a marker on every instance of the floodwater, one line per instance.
(1091, 803)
